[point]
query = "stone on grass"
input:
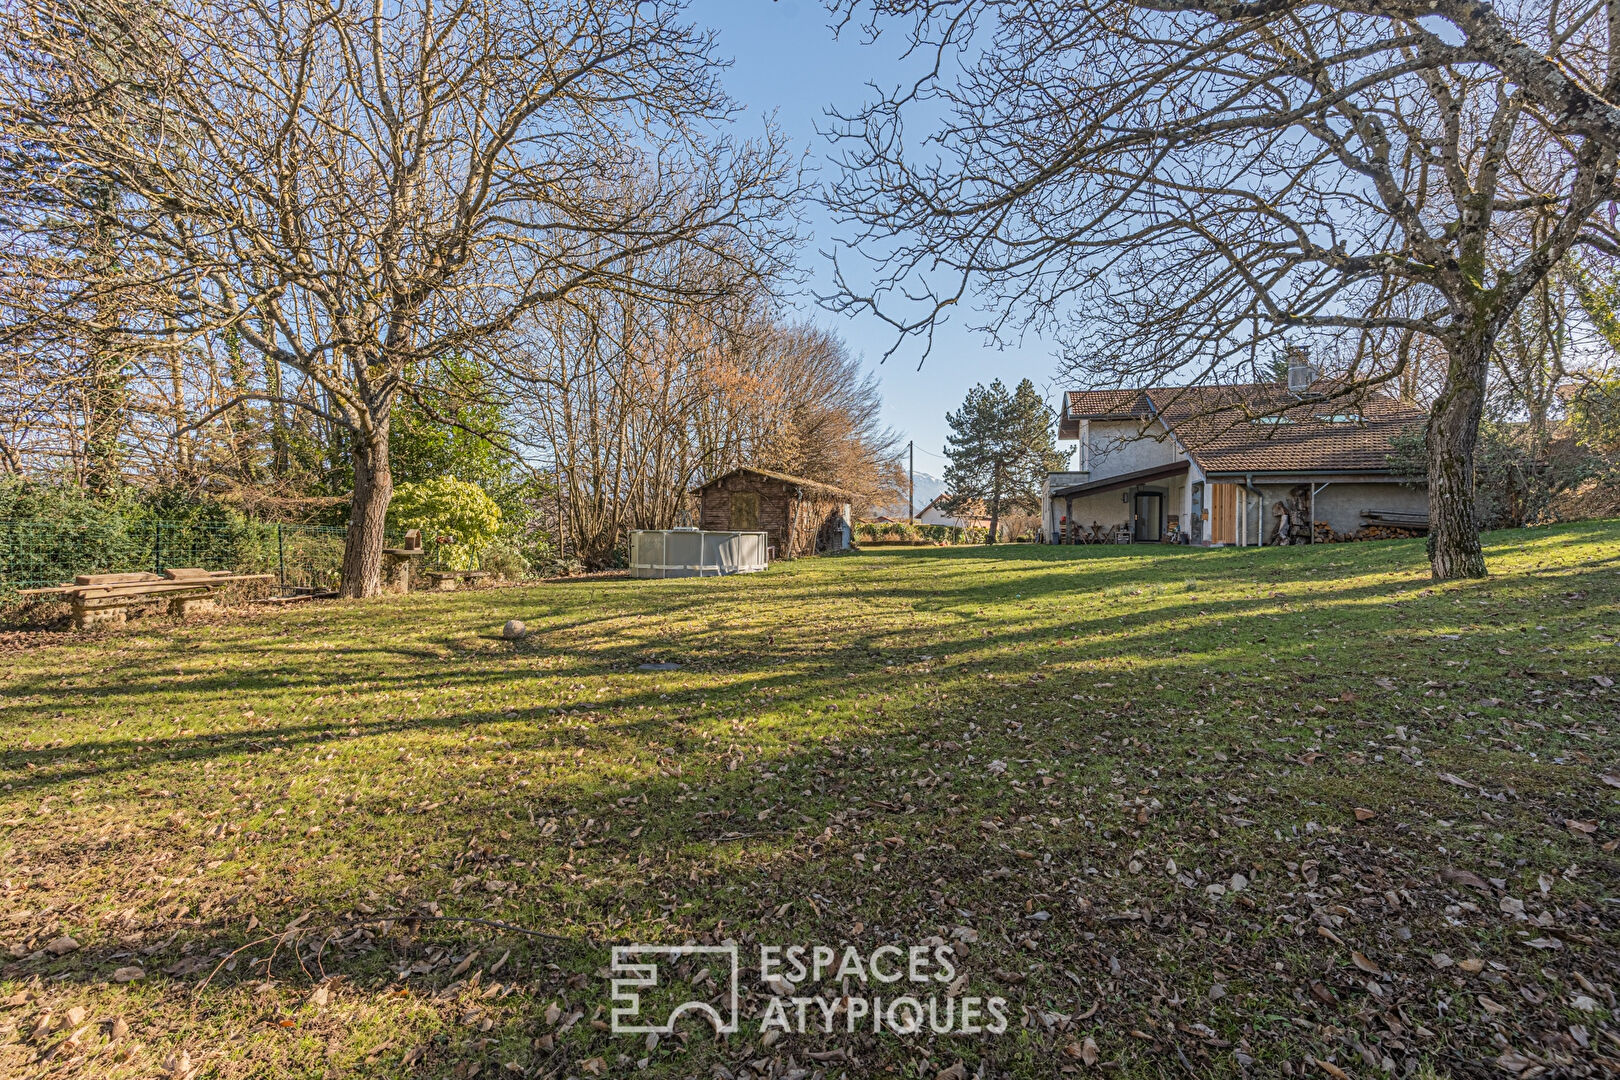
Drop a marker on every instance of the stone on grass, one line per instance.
(514, 629)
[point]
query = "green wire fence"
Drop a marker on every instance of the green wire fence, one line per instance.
(304, 558)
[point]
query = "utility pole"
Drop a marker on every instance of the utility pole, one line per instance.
(911, 474)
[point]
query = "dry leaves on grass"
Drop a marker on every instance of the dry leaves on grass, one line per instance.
(1084, 1052)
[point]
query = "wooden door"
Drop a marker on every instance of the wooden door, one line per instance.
(745, 511)
(1223, 503)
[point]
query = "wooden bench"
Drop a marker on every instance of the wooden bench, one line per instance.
(105, 599)
(450, 580)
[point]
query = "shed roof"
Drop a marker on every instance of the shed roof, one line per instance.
(799, 481)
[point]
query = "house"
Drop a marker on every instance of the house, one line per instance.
(977, 517)
(1219, 465)
(800, 517)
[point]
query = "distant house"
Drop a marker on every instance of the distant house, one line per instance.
(800, 517)
(1221, 465)
(976, 517)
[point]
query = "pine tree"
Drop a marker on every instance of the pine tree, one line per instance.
(1000, 448)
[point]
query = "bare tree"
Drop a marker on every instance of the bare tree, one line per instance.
(353, 190)
(630, 404)
(1178, 187)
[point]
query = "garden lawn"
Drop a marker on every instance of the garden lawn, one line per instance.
(1294, 811)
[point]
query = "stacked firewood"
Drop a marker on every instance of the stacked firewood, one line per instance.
(1326, 534)
(1386, 532)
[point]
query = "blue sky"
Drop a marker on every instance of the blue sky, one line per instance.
(786, 61)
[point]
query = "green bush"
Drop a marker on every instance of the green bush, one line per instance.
(906, 532)
(49, 533)
(445, 506)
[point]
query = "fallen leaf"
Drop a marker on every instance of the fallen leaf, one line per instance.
(128, 974)
(1364, 814)
(1473, 965)
(1545, 943)
(1084, 1052)
(1491, 1006)
(955, 1072)
(1465, 877)
(1365, 964)
(1330, 1068)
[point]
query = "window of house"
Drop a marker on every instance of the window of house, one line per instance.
(745, 511)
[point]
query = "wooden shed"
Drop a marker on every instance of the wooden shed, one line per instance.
(801, 517)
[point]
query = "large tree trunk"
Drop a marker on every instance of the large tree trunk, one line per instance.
(1453, 435)
(373, 488)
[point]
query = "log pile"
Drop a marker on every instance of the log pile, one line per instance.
(1384, 531)
(1326, 534)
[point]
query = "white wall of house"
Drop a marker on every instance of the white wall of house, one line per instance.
(932, 515)
(1108, 448)
(1116, 447)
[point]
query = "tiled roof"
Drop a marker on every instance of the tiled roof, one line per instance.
(1095, 404)
(1261, 427)
(1100, 405)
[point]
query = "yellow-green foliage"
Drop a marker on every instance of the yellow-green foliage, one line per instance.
(447, 506)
